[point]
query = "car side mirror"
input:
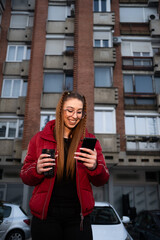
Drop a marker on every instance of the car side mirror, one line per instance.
(125, 219)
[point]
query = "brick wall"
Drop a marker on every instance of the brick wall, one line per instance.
(3, 37)
(35, 79)
(118, 80)
(83, 57)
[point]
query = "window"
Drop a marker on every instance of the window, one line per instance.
(21, 21)
(14, 88)
(137, 49)
(101, 43)
(104, 120)
(142, 83)
(46, 117)
(138, 83)
(157, 84)
(11, 128)
(101, 5)
(104, 216)
(136, 14)
(101, 38)
(57, 82)
(102, 76)
(146, 126)
(18, 53)
(58, 13)
(54, 47)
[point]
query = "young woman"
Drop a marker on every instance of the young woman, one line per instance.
(62, 203)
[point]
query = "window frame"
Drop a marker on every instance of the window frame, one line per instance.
(29, 15)
(22, 81)
(136, 141)
(63, 83)
(7, 121)
(49, 114)
(25, 53)
(111, 75)
(143, 115)
(134, 83)
(67, 12)
(106, 109)
(108, 6)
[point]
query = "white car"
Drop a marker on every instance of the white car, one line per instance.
(106, 223)
(14, 223)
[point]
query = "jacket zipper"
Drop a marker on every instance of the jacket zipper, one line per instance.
(46, 199)
(48, 191)
(81, 214)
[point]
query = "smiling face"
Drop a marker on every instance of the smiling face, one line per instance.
(72, 114)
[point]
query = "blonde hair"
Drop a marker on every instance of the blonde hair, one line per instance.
(75, 135)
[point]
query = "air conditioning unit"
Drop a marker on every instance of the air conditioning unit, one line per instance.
(153, 17)
(117, 40)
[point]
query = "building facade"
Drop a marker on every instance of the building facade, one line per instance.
(110, 52)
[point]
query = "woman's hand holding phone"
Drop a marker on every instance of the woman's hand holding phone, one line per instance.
(89, 158)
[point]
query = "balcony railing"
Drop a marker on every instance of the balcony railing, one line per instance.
(137, 63)
(134, 29)
(143, 143)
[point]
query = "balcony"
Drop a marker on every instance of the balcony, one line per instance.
(106, 96)
(110, 143)
(141, 29)
(137, 63)
(49, 100)
(154, 27)
(17, 149)
(20, 35)
(153, 3)
(23, 5)
(12, 105)
(55, 27)
(58, 62)
(16, 68)
(6, 147)
(104, 55)
(104, 18)
(10, 150)
(143, 144)
(140, 101)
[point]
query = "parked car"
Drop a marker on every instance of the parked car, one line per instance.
(14, 223)
(106, 223)
(146, 225)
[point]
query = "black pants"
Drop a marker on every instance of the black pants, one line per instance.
(63, 226)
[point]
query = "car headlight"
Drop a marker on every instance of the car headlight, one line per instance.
(128, 237)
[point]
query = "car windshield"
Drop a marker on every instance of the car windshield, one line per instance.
(104, 216)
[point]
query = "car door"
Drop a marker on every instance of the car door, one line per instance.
(151, 228)
(5, 220)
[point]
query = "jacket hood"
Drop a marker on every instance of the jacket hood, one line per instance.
(47, 132)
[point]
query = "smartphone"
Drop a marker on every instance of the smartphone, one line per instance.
(88, 143)
(51, 152)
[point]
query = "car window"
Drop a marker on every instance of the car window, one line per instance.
(104, 215)
(156, 216)
(5, 211)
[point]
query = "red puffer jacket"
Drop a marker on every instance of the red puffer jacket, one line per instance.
(43, 186)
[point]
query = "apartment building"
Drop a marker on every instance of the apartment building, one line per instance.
(110, 52)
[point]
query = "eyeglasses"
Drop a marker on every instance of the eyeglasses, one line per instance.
(70, 112)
